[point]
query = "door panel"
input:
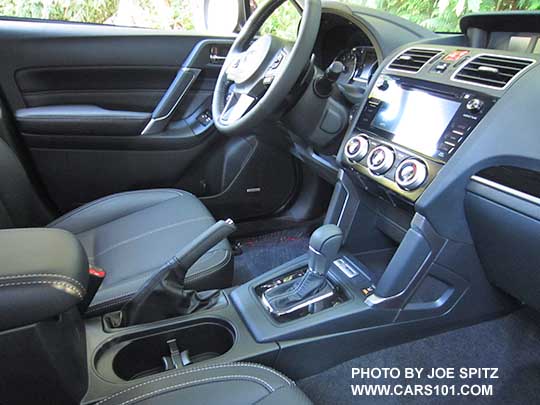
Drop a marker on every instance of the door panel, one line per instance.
(83, 94)
(109, 109)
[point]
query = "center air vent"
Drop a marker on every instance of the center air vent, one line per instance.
(492, 70)
(414, 59)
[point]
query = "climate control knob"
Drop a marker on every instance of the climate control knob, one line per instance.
(381, 159)
(357, 148)
(411, 174)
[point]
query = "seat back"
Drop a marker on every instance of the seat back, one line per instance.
(20, 205)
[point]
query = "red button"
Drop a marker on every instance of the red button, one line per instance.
(455, 55)
(97, 272)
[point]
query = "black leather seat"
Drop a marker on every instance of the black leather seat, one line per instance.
(237, 383)
(130, 235)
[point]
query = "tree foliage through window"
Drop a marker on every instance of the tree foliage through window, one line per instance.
(437, 15)
(443, 15)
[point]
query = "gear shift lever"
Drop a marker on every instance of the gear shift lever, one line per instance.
(324, 246)
(288, 297)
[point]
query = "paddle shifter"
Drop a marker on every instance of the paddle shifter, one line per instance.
(313, 286)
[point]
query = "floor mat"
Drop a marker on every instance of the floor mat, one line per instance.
(265, 252)
(511, 344)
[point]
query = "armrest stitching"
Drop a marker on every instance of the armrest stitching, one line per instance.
(18, 276)
(70, 287)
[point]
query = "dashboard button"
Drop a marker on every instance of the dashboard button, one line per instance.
(381, 159)
(411, 174)
(475, 105)
(453, 138)
(357, 148)
(447, 148)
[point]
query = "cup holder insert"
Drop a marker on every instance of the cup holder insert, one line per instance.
(143, 356)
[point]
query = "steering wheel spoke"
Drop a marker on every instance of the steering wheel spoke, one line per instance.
(233, 69)
(236, 106)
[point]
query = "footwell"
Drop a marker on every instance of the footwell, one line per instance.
(258, 254)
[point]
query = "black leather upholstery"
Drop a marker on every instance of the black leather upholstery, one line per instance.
(20, 206)
(131, 235)
(236, 383)
(44, 273)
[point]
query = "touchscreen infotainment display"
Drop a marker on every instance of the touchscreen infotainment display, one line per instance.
(412, 117)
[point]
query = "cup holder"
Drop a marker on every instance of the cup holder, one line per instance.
(134, 357)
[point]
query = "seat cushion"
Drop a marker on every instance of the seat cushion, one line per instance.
(131, 235)
(236, 383)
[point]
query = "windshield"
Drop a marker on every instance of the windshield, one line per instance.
(443, 15)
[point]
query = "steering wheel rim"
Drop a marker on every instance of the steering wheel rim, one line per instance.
(249, 109)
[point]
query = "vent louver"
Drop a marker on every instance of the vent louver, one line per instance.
(492, 70)
(414, 59)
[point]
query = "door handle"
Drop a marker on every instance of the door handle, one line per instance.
(164, 111)
(217, 59)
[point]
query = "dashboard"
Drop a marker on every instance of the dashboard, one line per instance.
(448, 130)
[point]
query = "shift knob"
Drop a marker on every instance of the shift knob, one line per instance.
(324, 246)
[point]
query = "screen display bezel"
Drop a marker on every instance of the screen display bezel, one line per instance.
(434, 90)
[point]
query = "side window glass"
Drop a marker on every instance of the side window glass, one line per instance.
(205, 16)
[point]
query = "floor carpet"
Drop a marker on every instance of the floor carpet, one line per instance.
(259, 254)
(511, 344)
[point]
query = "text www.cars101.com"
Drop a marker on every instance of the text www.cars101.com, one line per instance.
(421, 390)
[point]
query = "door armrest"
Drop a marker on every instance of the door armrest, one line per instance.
(80, 120)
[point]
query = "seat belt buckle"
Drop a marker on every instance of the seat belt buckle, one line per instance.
(96, 275)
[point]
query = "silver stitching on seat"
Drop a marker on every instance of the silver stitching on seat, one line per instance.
(195, 382)
(110, 198)
(124, 242)
(18, 276)
(217, 366)
(70, 287)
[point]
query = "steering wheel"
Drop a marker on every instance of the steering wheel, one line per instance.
(256, 77)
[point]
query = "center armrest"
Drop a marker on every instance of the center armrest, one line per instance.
(43, 273)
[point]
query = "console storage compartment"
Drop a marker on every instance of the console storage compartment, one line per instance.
(141, 354)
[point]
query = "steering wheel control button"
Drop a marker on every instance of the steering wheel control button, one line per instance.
(381, 159)
(475, 106)
(411, 174)
(357, 148)
(268, 80)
